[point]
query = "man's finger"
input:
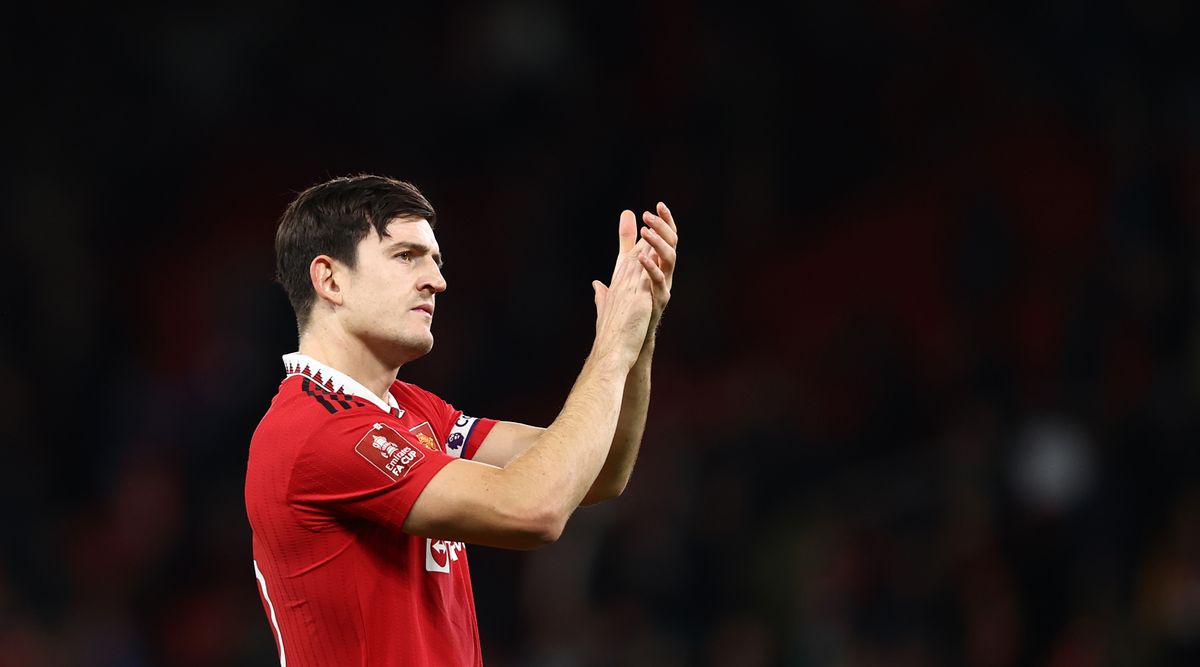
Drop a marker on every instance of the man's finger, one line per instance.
(627, 230)
(665, 214)
(656, 274)
(664, 249)
(660, 225)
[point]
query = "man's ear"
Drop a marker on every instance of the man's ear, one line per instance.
(324, 273)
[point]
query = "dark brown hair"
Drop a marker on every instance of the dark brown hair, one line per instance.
(330, 219)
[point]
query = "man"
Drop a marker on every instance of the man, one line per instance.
(361, 490)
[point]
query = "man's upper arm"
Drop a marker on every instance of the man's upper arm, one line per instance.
(505, 442)
(366, 466)
(475, 502)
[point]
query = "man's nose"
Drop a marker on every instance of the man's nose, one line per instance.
(434, 281)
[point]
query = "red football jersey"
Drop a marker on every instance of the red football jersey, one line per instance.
(332, 474)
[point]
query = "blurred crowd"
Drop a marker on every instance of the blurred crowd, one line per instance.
(924, 394)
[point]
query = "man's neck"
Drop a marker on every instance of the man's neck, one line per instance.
(350, 357)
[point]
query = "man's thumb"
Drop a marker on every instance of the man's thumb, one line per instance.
(600, 290)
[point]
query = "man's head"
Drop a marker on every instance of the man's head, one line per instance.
(361, 250)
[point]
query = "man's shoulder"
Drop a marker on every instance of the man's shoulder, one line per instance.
(304, 405)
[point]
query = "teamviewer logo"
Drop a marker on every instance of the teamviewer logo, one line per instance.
(439, 554)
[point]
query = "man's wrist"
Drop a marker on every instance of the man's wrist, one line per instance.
(609, 361)
(647, 351)
(651, 333)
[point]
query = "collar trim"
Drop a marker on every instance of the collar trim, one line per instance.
(337, 381)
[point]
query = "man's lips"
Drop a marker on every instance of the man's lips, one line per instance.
(425, 308)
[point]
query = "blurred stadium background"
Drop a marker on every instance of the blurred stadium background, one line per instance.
(926, 393)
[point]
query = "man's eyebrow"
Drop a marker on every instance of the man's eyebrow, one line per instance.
(418, 247)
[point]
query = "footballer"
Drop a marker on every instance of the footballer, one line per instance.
(363, 491)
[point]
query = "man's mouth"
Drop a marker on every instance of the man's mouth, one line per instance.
(425, 308)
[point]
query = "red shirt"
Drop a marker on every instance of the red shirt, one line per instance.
(332, 474)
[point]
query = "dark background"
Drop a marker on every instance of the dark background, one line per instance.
(926, 393)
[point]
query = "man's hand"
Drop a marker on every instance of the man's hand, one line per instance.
(624, 308)
(662, 235)
(660, 238)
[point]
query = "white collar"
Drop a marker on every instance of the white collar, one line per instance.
(337, 381)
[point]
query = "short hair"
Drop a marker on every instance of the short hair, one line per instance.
(331, 218)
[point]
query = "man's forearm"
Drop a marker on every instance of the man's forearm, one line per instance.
(558, 468)
(631, 423)
(527, 503)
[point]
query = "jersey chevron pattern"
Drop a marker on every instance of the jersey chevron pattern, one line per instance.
(329, 400)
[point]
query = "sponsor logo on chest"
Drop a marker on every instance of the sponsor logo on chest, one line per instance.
(439, 554)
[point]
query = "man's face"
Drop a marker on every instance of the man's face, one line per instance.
(389, 295)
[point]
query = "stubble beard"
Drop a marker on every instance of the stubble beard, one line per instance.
(404, 346)
(395, 343)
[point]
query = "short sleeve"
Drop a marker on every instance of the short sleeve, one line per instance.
(466, 433)
(361, 465)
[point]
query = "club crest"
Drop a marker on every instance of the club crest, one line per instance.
(426, 436)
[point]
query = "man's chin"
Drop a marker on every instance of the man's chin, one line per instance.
(409, 349)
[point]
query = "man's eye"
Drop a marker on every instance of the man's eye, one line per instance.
(406, 255)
